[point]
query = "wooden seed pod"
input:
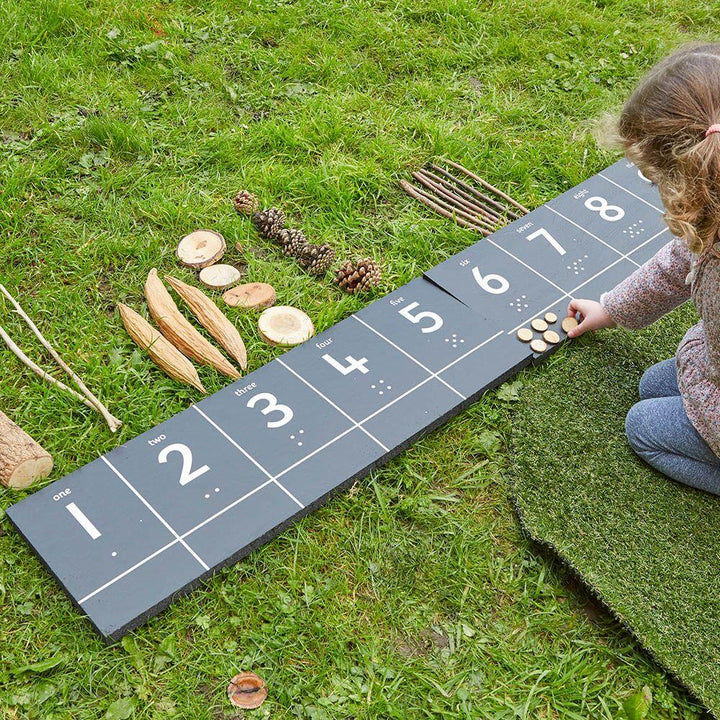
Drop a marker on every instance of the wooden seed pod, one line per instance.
(284, 325)
(212, 319)
(201, 248)
(22, 459)
(176, 328)
(163, 353)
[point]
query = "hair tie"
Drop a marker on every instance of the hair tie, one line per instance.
(713, 129)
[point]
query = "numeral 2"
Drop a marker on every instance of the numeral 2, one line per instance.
(187, 474)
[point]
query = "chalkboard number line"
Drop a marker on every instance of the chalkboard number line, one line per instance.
(84, 521)
(187, 474)
(630, 192)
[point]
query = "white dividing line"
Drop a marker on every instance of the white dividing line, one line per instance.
(232, 442)
(600, 240)
(629, 192)
(407, 354)
(128, 571)
(247, 455)
(84, 520)
(155, 512)
(330, 402)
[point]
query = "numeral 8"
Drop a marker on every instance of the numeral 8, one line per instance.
(598, 204)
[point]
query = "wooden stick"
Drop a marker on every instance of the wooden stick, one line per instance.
(487, 185)
(453, 195)
(25, 360)
(113, 423)
(452, 209)
(491, 213)
(413, 192)
(449, 200)
(494, 203)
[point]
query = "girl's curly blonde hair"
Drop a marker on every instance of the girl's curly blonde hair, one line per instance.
(662, 129)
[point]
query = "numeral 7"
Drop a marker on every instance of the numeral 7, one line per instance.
(542, 232)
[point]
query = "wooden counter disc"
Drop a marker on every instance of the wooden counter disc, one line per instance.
(525, 334)
(551, 337)
(538, 346)
(251, 296)
(550, 317)
(219, 277)
(285, 325)
(539, 324)
(201, 248)
(569, 323)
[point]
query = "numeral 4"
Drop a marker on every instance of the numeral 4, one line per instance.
(187, 474)
(437, 321)
(352, 364)
(543, 233)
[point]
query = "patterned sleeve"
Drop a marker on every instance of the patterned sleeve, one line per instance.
(653, 289)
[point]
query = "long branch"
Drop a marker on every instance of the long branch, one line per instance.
(487, 185)
(111, 420)
(413, 192)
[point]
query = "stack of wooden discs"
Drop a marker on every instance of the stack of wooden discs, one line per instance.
(547, 336)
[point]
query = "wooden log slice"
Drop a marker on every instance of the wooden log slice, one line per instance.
(284, 325)
(219, 277)
(22, 459)
(251, 296)
(201, 248)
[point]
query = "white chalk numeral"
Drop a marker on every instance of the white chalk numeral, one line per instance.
(484, 281)
(272, 406)
(187, 474)
(352, 364)
(642, 177)
(84, 520)
(598, 204)
(437, 321)
(543, 233)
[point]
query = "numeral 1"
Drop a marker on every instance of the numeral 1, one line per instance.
(187, 474)
(353, 364)
(484, 282)
(84, 520)
(542, 232)
(272, 406)
(437, 321)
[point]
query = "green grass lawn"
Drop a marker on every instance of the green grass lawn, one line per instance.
(126, 125)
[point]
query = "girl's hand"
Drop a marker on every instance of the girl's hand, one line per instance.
(592, 317)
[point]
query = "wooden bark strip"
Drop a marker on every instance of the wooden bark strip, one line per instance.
(474, 191)
(488, 186)
(212, 319)
(455, 200)
(113, 423)
(491, 213)
(22, 459)
(412, 192)
(178, 330)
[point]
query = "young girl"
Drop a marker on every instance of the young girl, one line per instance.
(670, 128)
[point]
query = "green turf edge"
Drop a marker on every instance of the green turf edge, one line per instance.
(595, 591)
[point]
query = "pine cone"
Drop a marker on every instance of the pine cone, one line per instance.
(316, 259)
(269, 222)
(245, 202)
(293, 241)
(358, 277)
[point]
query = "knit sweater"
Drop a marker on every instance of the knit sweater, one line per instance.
(665, 281)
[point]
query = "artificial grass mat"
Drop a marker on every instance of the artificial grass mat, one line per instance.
(648, 547)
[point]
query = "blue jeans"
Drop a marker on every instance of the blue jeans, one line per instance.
(659, 431)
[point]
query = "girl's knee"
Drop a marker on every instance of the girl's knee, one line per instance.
(636, 426)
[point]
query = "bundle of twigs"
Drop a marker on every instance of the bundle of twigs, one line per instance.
(461, 200)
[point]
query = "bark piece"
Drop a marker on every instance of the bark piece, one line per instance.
(247, 690)
(201, 248)
(178, 330)
(22, 459)
(219, 277)
(251, 296)
(212, 319)
(284, 325)
(162, 352)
